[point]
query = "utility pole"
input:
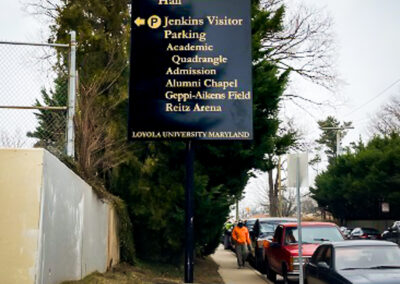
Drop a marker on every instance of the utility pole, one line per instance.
(338, 136)
(280, 209)
(237, 209)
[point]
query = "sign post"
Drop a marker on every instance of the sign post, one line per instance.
(189, 212)
(190, 79)
(298, 177)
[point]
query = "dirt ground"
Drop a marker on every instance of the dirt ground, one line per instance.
(206, 271)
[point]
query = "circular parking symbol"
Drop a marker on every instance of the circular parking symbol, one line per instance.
(154, 22)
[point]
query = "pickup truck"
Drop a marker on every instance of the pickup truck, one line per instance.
(282, 252)
(264, 229)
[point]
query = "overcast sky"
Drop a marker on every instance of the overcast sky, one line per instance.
(368, 39)
(15, 24)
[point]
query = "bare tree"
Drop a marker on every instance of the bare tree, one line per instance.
(309, 205)
(387, 120)
(283, 201)
(261, 189)
(48, 8)
(12, 141)
(97, 148)
(288, 203)
(305, 45)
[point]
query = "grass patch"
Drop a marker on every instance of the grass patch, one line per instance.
(206, 271)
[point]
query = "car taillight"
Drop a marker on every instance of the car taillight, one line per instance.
(364, 236)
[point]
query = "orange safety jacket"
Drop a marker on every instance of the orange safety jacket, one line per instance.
(241, 235)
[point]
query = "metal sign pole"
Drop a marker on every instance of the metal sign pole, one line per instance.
(300, 237)
(189, 212)
(71, 98)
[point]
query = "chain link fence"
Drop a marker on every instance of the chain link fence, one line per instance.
(34, 92)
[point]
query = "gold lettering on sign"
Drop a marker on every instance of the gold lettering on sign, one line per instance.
(172, 83)
(217, 21)
(169, 2)
(211, 83)
(169, 107)
(190, 71)
(207, 108)
(184, 34)
(183, 21)
(190, 47)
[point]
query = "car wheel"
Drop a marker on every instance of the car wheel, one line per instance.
(285, 274)
(271, 275)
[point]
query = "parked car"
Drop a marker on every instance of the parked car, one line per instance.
(348, 262)
(365, 234)
(346, 232)
(282, 253)
(249, 223)
(264, 229)
(392, 233)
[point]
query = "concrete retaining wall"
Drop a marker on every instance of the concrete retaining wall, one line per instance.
(20, 188)
(67, 231)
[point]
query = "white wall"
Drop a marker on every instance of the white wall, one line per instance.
(20, 188)
(74, 225)
(54, 227)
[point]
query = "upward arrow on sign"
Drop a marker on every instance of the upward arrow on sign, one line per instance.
(140, 22)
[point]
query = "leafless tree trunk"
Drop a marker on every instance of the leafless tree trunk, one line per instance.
(288, 205)
(273, 196)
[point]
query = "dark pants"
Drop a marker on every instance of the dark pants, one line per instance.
(241, 253)
(227, 241)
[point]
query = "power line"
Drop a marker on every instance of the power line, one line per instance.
(378, 95)
(358, 108)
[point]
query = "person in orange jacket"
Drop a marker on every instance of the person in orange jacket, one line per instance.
(240, 235)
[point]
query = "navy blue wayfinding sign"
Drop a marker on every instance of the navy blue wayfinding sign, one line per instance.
(190, 74)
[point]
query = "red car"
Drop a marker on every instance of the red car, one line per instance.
(281, 254)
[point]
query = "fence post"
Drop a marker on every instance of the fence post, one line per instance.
(71, 97)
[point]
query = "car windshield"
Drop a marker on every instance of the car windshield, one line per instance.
(362, 257)
(267, 227)
(270, 226)
(250, 224)
(313, 234)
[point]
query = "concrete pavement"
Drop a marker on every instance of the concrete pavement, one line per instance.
(230, 273)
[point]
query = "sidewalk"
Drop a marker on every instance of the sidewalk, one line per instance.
(230, 273)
